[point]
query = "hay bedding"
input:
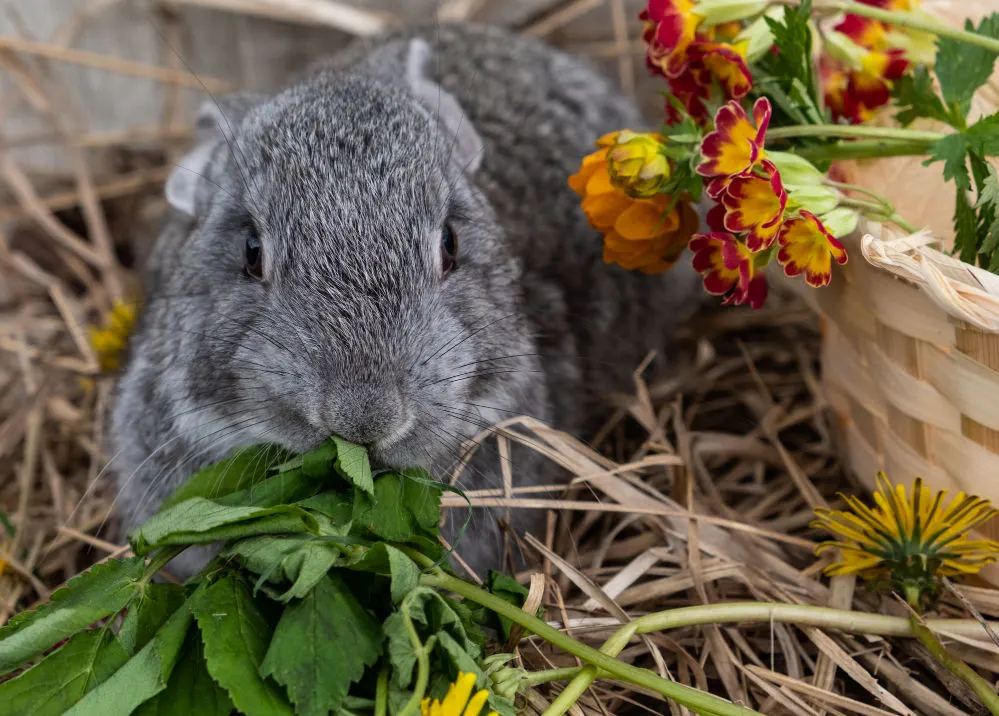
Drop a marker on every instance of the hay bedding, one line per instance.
(740, 438)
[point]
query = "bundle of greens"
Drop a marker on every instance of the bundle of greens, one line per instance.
(314, 605)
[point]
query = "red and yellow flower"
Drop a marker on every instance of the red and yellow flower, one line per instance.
(755, 203)
(646, 233)
(735, 145)
(692, 58)
(728, 269)
(806, 246)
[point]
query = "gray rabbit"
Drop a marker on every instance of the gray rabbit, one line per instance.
(388, 250)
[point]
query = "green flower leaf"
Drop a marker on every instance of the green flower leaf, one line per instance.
(281, 489)
(142, 676)
(191, 689)
(236, 636)
(352, 463)
(962, 68)
(245, 468)
(61, 679)
(201, 521)
(322, 645)
(952, 150)
(99, 592)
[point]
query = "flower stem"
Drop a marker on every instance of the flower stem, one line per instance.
(422, 660)
(879, 212)
(911, 20)
(534, 678)
(693, 699)
(381, 691)
(867, 149)
(853, 131)
(982, 688)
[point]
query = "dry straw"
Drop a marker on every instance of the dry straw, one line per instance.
(698, 489)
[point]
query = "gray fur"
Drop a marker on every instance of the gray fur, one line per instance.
(350, 175)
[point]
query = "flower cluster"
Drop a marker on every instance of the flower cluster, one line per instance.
(695, 57)
(754, 213)
(620, 184)
(908, 541)
(863, 57)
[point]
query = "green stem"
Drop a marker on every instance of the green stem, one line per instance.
(853, 131)
(912, 21)
(159, 560)
(533, 678)
(865, 149)
(691, 698)
(381, 691)
(965, 673)
(422, 660)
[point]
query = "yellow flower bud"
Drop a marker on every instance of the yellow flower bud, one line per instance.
(816, 199)
(637, 164)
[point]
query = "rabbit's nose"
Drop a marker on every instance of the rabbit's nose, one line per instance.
(370, 416)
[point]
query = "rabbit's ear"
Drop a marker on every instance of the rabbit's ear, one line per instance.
(467, 145)
(214, 127)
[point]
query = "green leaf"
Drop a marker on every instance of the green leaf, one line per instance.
(236, 635)
(201, 521)
(460, 660)
(301, 560)
(965, 228)
(389, 561)
(148, 613)
(281, 489)
(990, 188)
(952, 150)
(322, 645)
(245, 468)
(405, 503)
(97, 593)
(983, 136)
(337, 506)
(509, 590)
(916, 97)
(191, 689)
(793, 35)
(962, 68)
(61, 679)
(142, 676)
(352, 462)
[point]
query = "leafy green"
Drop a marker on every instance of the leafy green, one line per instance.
(322, 644)
(283, 488)
(301, 560)
(952, 150)
(236, 635)
(201, 521)
(352, 462)
(965, 227)
(63, 677)
(402, 507)
(245, 468)
(917, 98)
(509, 590)
(147, 613)
(97, 593)
(793, 63)
(141, 677)
(962, 68)
(191, 689)
(337, 506)
(387, 560)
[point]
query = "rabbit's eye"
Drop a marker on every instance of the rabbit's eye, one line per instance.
(449, 248)
(254, 257)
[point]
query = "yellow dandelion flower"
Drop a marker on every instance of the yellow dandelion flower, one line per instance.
(459, 700)
(109, 342)
(909, 540)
